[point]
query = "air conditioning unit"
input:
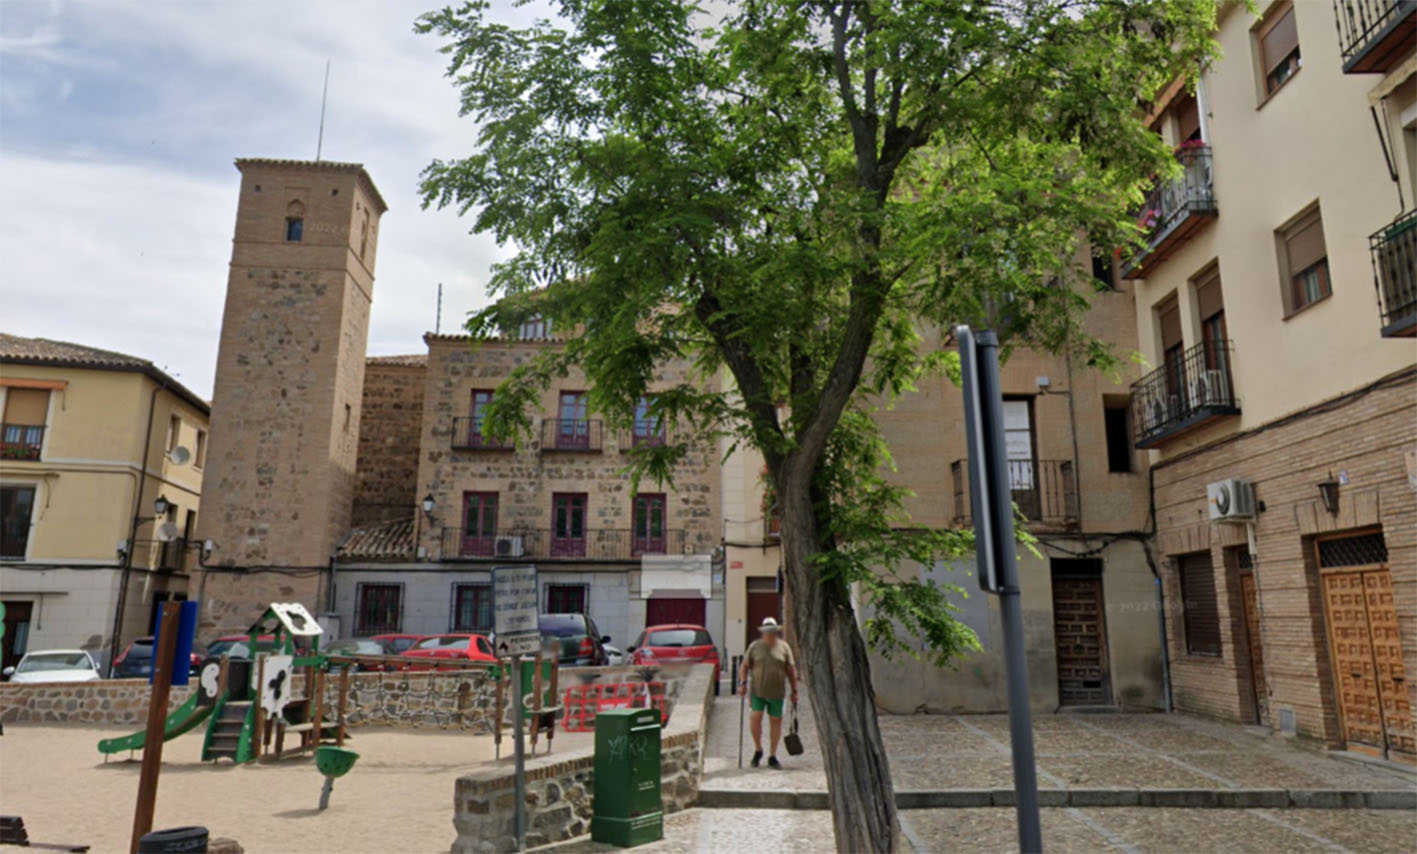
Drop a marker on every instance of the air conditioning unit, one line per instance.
(1209, 388)
(508, 547)
(1231, 500)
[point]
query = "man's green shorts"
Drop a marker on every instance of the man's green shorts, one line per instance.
(774, 707)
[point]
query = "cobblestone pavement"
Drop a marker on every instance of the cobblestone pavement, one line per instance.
(1090, 751)
(1064, 830)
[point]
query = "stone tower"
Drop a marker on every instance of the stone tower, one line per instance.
(280, 468)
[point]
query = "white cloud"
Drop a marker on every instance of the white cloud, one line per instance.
(121, 121)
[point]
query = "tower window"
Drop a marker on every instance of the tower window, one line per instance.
(294, 228)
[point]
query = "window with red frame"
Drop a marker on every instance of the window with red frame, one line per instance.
(649, 429)
(481, 399)
(565, 598)
(472, 608)
(568, 524)
(379, 609)
(479, 532)
(572, 429)
(648, 533)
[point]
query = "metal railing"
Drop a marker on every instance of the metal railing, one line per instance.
(1394, 250)
(547, 544)
(1362, 23)
(21, 441)
(1191, 387)
(571, 434)
(468, 436)
(1044, 490)
(1169, 202)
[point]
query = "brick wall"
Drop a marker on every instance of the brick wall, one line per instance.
(1364, 438)
(390, 421)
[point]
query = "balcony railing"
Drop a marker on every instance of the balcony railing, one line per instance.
(1394, 251)
(21, 441)
(1374, 35)
(606, 544)
(1175, 209)
(468, 436)
(1190, 389)
(1046, 491)
(571, 434)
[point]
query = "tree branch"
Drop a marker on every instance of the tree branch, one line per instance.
(757, 397)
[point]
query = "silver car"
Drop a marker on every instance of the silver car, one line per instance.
(55, 665)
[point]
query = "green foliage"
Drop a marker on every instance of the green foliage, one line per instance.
(789, 197)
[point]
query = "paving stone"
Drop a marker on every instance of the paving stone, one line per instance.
(1173, 830)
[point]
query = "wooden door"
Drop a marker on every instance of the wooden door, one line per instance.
(763, 601)
(1081, 640)
(1388, 669)
(1250, 597)
(1353, 666)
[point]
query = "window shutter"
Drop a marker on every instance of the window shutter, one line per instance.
(1188, 119)
(1170, 318)
(1280, 40)
(27, 406)
(1198, 602)
(1305, 243)
(1208, 296)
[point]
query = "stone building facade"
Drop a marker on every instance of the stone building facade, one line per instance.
(390, 424)
(289, 378)
(1279, 376)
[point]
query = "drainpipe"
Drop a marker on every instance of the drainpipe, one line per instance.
(1160, 591)
(133, 533)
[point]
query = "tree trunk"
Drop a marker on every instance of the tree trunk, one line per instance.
(837, 672)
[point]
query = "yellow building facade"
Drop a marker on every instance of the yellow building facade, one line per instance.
(91, 441)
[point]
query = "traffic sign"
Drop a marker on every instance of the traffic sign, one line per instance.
(518, 645)
(514, 601)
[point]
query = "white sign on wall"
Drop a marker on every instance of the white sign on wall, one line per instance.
(514, 601)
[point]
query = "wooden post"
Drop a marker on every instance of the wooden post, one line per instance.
(343, 699)
(555, 678)
(157, 720)
(535, 700)
(318, 705)
(222, 676)
(497, 712)
(260, 712)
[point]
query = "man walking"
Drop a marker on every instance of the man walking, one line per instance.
(769, 660)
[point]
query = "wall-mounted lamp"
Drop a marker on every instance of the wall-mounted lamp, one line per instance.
(161, 506)
(122, 549)
(428, 504)
(1328, 494)
(208, 546)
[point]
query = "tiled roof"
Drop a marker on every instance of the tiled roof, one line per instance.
(15, 349)
(411, 360)
(385, 541)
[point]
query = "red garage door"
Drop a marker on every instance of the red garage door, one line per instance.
(662, 610)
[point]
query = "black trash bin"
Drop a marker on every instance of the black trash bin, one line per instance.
(174, 840)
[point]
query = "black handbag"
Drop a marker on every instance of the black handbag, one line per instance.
(792, 741)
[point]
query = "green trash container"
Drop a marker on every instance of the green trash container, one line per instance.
(626, 805)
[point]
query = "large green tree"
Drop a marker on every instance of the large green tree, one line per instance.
(790, 190)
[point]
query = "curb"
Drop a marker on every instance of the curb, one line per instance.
(907, 799)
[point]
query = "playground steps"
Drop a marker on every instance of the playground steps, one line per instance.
(228, 736)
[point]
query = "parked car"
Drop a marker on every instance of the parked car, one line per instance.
(54, 665)
(360, 646)
(614, 657)
(137, 660)
(574, 639)
(451, 647)
(399, 643)
(239, 646)
(673, 644)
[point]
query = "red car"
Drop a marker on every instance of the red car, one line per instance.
(436, 648)
(674, 644)
(399, 643)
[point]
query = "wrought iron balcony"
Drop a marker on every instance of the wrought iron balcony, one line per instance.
(1375, 35)
(21, 441)
(468, 436)
(605, 544)
(1176, 209)
(1192, 388)
(571, 434)
(1045, 491)
(1394, 249)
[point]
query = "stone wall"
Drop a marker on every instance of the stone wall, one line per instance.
(560, 789)
(390, 419)
(119, 702)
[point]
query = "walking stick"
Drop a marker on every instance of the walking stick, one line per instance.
(742, 701)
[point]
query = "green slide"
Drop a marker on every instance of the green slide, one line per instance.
(187, 716)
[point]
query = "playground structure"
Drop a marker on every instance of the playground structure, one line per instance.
(248, 703)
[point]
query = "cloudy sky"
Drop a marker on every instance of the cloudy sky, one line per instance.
(119, 122)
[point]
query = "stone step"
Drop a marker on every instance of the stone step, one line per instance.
(1394, 799)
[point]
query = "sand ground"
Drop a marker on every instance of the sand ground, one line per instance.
(398, 798)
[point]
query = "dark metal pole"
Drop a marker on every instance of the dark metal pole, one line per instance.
(519, 776)
(122, 604)
(1004, 555)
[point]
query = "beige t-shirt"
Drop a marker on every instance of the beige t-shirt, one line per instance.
(767, 667)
